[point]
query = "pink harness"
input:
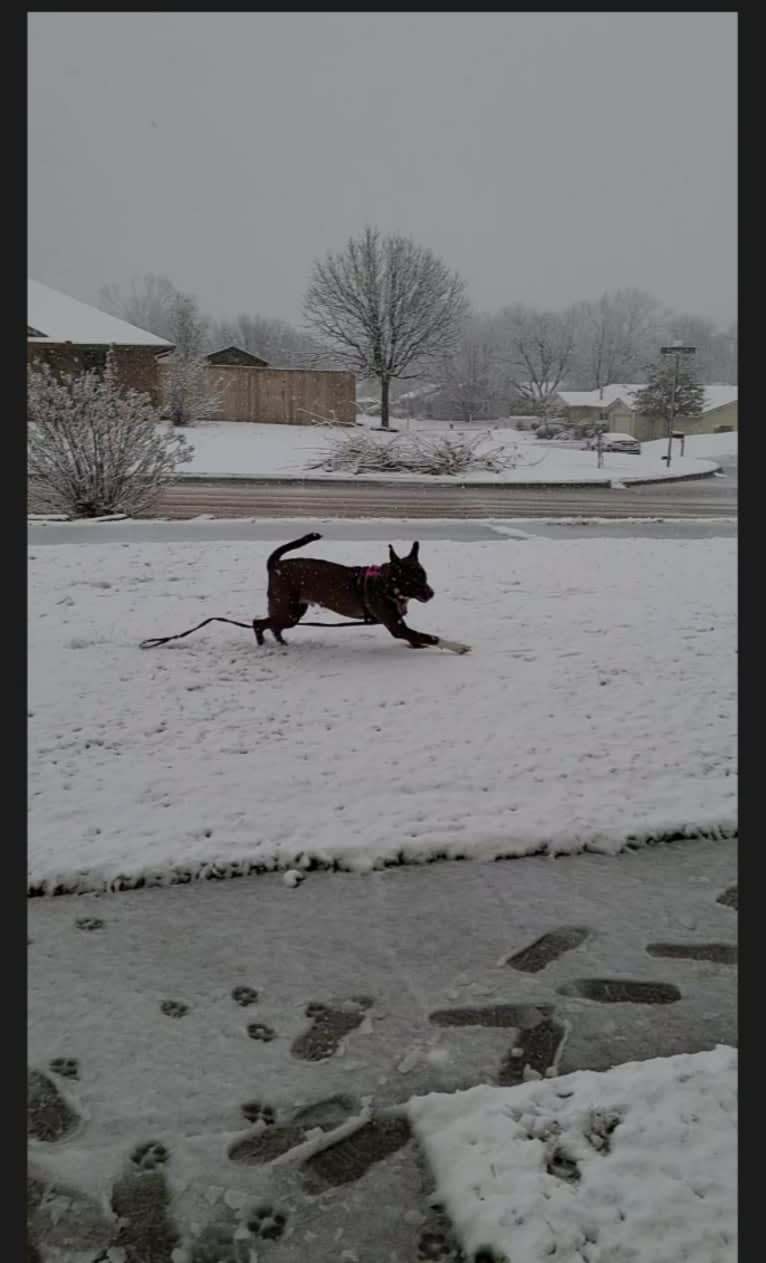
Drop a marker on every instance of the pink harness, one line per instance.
(372, 572)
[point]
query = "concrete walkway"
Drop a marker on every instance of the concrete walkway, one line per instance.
(199, 1053)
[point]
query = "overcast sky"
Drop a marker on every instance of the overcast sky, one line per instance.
(547, 157)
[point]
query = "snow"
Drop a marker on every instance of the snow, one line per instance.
(597, 710)
(661, 1188)
(713, 447)
(60, 318)
(249, 450)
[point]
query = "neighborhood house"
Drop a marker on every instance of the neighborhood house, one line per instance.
(616, 405)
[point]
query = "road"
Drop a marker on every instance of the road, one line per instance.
(234, 498)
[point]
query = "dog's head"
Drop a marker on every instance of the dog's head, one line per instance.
(408, 577)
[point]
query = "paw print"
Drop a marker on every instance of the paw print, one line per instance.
(174, 1008)
(254, 1112)
(89, 923)
(67, 1067)
(266, 1223)
(149, 1156)
(259, 1030)
(244, 995)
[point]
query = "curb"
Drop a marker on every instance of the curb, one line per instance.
(298, 481)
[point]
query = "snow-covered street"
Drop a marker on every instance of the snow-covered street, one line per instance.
(597, 710)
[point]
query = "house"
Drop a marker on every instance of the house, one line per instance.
(616, 405)
(612, 404)
(73, 337)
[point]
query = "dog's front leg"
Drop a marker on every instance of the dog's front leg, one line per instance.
(418, 640)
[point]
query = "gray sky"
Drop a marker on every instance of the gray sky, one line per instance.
(546, 156)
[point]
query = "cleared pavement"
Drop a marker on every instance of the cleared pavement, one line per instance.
(190, 1045)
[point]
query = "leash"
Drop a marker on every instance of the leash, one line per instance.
(154, 641)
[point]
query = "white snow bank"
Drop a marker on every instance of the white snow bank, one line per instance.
(634, 1165)
(598, 707)
(245, 450)
(713, 447)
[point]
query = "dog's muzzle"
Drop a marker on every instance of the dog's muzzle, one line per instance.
(428, 593)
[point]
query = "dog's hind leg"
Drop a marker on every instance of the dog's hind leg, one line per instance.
(260, 625)
(279, 619)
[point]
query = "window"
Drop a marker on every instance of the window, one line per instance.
(92, 359)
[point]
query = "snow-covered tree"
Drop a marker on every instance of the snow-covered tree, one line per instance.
(385, 307)
(657, 400)
(95, 448)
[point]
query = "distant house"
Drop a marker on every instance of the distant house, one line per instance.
(616, 405)
(73, 337)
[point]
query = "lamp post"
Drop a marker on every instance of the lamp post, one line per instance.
(677, 349)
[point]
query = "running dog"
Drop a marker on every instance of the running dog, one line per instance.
(377, 595)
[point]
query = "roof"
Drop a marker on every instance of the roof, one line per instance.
(715, 396)
(59, 318)
(595, 399)
(236, 355)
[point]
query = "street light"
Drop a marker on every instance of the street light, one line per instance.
(677, 349)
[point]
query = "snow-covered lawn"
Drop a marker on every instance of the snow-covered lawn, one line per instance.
(598, 706)
(637, 1164)
(707, 446)
(272, 451)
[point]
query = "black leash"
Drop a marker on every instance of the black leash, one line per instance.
(154, 641)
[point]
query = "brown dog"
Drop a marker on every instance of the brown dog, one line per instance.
(373, 594)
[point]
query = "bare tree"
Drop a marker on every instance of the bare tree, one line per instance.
(716, 350)
(468, 378)
(146, 303)
(273, 340)
(156, 304)
(615, 337)
(385, 306)
(190, 389)
(537, 350)
(94, 448)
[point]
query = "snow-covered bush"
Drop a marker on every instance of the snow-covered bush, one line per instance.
(95, 448)
(363, 452)
(190, 393)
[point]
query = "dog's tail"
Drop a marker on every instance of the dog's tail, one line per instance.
(287, 548)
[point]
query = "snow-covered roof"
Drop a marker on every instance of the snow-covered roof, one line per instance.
(59, 318)
(715, 396)
(719, 396)
(598, 399)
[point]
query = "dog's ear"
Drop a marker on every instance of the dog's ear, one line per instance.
(392, 555)
(415, 550)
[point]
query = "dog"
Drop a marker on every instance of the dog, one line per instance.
(377, 595)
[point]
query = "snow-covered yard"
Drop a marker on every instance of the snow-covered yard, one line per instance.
(597, 709)
(634, 1165)
(272, 451)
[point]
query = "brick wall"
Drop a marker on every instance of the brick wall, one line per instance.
(136, 366)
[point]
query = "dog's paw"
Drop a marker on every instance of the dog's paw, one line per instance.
(454, 646)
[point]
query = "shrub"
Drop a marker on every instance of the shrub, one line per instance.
(94, 448)
(427, 453)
